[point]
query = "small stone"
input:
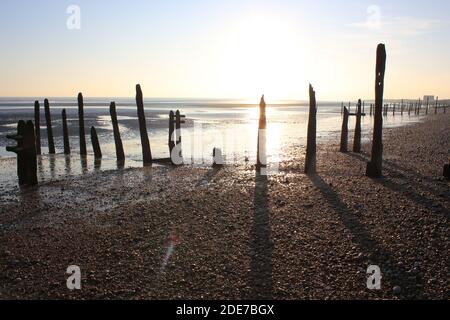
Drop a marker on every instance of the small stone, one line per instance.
(397, 290)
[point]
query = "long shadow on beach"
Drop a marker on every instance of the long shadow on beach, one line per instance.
(261, 246)
(407, 177)
(375, 252)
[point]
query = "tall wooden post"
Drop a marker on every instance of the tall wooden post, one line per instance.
(172, 135)
(374, 167)
(48, 119)
(146, 151)
(357, 139)
(344, 132)
(120, 154)
(261, 156)
(37, 126)
(65, 133)
(178, 132)
(82, 134)
(311, 147)
(95, 144)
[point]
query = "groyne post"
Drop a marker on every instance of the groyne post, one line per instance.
(311, 147)
(146, 151)
(344, 132)
(48, 119)
(261, 156)
(37, 127)
(120, 154)
(374, 167)
(65, 133)
(357, 138)
(26, 153)
(95, 144)
(81, 131)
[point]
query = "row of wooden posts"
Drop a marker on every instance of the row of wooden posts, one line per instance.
(401, 107)
(28, 135)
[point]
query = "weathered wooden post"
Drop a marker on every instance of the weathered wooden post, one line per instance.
(37, 127)
(26, 153)
(95, 144)
(261, 155)
(48, 119)
(172, 136)
(374, 167)
(146, 151)
(120, 154)
(65, 133)
(357, 139)
(217, 158)
(178, 123)
(344, 132)
(82, 134)
(311, 147)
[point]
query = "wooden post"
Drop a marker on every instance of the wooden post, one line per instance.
(217, 158)
(344, 132)
(65, 133)
(357, 139)
(95, 144)
(82, 134)
(48, 119)
(311, 147)
(178, 132)
(393, 110)
(261, 155)
(146, 151)
(172, 136)
(120, 154)
(374, 167)
(26, 153)
(37, 127)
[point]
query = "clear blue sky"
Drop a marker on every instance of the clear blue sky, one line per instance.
(228, 49)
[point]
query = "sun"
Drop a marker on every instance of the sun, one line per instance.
(262, 54)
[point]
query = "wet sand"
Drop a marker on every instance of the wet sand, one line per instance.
(197, 233)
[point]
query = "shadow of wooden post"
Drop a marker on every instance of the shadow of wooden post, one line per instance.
(374, 167)
(81, 130)
(146, 151)
(344, 132)
(95, 144)
(37, 127)
(65, 133)
(311, 145)
(48, 119)
(357, 138)
(120, 154)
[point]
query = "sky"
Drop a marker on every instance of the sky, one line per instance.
(234, 49)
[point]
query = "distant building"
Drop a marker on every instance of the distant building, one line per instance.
(430, 98)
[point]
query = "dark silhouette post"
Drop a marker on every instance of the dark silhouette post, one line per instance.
(374, 167)
(120, 154)
(48, 119)
(37, 127)
(65, 133)
(26, 153)
(357, 139)
(82, 134)
(344, 132)
(311, 148)
(95, 144)
(261, 156)
(146, 151)
(172, 136)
